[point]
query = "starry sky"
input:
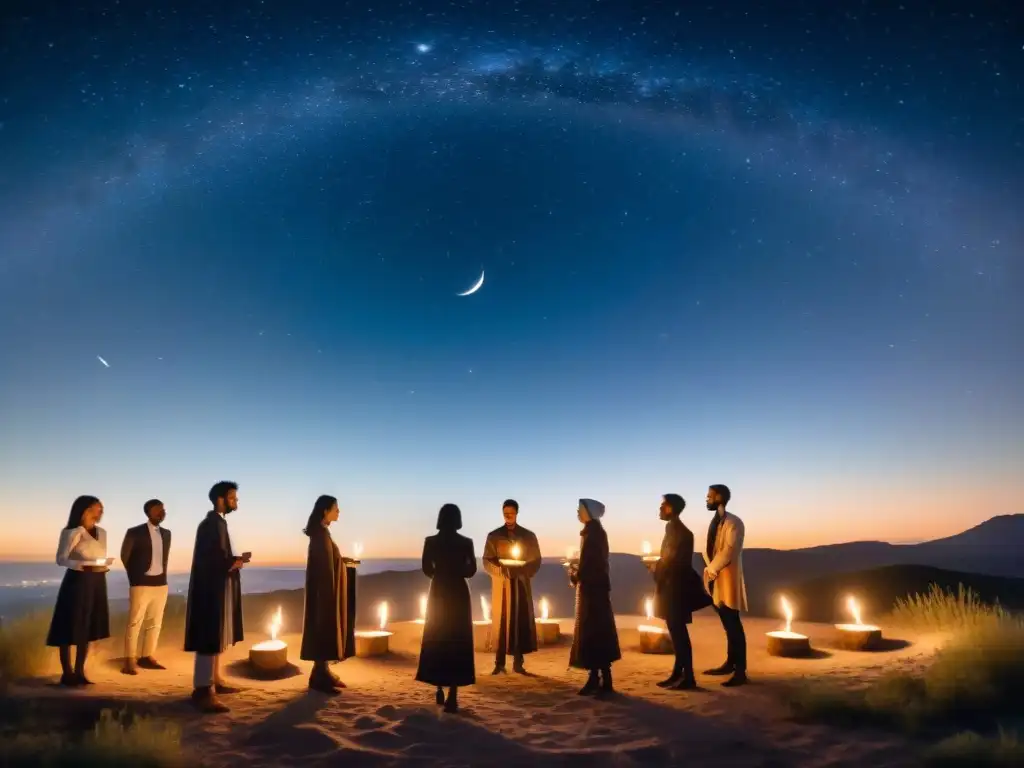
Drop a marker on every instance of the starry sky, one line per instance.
(775, 245)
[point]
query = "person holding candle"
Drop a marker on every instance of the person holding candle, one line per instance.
(213, 609)
(144, 552)
(678, 590)
(81, 614)
(723, 576)
(513, 629)
(595, 640)
(326, 611)
(446, 654)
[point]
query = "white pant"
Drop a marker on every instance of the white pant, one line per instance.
(146, 613)
(206, 671)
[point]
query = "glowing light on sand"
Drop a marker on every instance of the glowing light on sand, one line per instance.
(786, 642)
(382, 614)
(649, 616)
(854, 608)
(649, 608)
(543, 609)
(787, 611)
(423, 607)
(275, 623)
(272, 653)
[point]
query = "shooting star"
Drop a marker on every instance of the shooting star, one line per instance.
(105, 363)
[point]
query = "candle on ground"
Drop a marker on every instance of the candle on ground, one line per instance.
(548, 630)
(374, 642)
(271, 654)
(653, 639)
(482, 627)
(786, 642)
(857, 636)
(423, 611)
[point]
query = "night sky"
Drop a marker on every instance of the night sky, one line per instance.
(779, 248)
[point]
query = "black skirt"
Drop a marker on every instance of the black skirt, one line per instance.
(81, 614)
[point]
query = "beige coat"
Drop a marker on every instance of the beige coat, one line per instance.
(726, 561)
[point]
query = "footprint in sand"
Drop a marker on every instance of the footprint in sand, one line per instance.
(387, 712)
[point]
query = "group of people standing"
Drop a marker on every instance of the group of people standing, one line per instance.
(512, 557)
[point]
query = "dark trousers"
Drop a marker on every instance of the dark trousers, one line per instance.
(680, 635)
(736, 639)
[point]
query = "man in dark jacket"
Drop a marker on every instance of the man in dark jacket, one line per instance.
(144, 553)
(213, 613)
(678, 591)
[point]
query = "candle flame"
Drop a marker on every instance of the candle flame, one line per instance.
(275, 623)
(382, 613)
(569, 552)
(423, 607)
(516, 551)
(646, 547)
(649, 608)
(854, 607)
(787, 610)
(544, 608)
(357, 550)
(485, 608)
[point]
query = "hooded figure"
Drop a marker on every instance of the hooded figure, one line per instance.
(595, 640)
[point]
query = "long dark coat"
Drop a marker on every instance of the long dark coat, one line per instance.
(512, 621)
(595, 640)
(446, 656)
(213, 591)
(325, 617)
(679, 590)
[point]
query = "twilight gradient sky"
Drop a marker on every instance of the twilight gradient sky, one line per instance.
(774, 247)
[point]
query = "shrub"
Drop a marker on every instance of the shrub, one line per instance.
(23, 651)
(974, 680)
(118, 740)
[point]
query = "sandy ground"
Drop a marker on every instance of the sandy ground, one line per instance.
(384, 717)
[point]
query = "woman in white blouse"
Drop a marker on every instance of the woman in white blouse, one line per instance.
(81, 615)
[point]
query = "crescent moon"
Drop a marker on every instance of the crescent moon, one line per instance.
(475, 288)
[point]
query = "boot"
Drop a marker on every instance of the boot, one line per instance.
(439, 696)
(739, 677)
(686, 682)
(591, 686)
(671, 680)
(607, 689)
(451, 704)
(725, 669)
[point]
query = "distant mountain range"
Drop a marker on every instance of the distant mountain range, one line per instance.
(990, 549)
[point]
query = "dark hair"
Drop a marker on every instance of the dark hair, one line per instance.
(723, 491)
(676, 502)
(81, 504)
(316, 517)
(510, 503)
(220, 490)
(449, 518)
(148, 506)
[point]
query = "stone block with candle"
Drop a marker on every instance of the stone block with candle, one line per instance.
(653, 638)
(548, 630)
(270, 655)
(786, 642)
(374, 642)
(858, 636)
(482, 628)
